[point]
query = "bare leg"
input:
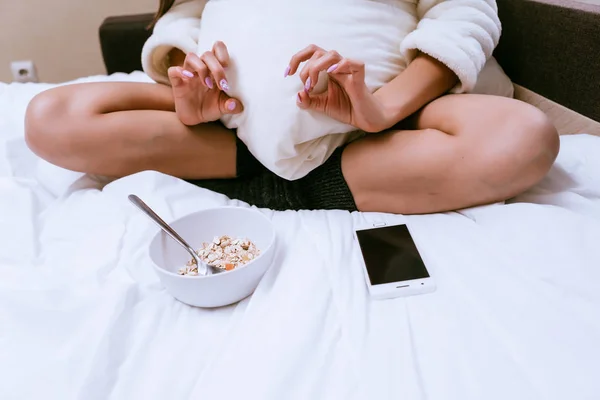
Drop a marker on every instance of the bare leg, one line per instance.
(467, 150)
(121, 128)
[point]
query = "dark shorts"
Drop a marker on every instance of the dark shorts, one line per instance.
(323, 189)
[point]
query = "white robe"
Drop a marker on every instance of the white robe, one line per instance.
(460, 33)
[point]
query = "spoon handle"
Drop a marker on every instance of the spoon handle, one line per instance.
(159, 221)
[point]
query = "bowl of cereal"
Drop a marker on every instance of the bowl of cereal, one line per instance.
(239, 241)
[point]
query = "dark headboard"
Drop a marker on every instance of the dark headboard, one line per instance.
(553, 48)
(549, 46)
(122, 39)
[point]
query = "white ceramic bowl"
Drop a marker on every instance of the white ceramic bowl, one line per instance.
(224, 288)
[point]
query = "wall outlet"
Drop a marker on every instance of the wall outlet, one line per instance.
(24, 71)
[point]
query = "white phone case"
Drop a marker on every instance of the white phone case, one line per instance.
(400, 288)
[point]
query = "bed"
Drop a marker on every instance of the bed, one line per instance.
(82, 315)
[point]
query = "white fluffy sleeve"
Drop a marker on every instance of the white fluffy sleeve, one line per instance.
(178, 28)
(462, 34)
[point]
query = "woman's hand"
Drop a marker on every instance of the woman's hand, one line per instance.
(347, 98)
(200, 87)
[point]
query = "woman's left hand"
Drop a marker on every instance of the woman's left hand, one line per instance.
(347, 98)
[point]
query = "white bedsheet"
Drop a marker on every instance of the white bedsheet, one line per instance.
(82, 316)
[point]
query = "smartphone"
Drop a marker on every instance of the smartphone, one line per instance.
(392, 262)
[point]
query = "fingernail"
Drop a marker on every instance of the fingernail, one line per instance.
(307, 85)
(209, 82)
(231, 106)
(287, 71)
(299, 98)
(224, 85)
(187, 73)
(332, 68)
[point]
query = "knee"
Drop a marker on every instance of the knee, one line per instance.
(538, 140)
(530, 145)
(45, 114)
(541, 131)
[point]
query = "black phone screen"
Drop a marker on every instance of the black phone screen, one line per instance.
(391, 255)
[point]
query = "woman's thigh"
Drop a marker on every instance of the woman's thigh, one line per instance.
(460, 151)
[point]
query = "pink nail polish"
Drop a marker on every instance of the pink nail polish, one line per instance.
(187, 73)
(209, 82)
(231, 106)
(307, 85)
(299, 98)
(224, 85)
(332, 68)
(287, 71)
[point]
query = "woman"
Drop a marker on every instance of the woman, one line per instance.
(435, 152)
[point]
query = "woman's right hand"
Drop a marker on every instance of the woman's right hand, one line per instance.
(200, 87)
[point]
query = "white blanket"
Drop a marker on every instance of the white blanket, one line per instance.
(82, 315)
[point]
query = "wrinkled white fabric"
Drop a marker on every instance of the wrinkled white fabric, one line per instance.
(516, 314)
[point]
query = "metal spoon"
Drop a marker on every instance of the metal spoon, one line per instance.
(208, 269)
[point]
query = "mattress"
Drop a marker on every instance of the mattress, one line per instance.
(516, 314)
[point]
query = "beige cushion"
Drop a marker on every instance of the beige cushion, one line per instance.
(567, 121)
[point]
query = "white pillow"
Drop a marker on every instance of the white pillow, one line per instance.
(289, 141)
(492, 80)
